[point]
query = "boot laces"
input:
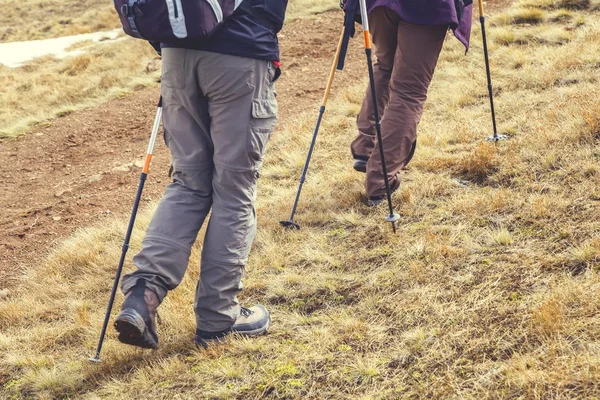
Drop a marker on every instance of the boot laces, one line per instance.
(246, 312)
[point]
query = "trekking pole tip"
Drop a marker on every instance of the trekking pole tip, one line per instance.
(289, 224)
(496, 138)
(94, 359)
(392, 218)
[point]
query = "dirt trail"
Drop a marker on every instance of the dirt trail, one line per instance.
(82, 168)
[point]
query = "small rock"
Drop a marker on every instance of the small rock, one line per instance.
(62, 192)
(94, 178)
(57, 218)
(461, 183)
(4, 294)
(122, 168)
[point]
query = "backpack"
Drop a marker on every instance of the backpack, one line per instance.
(170, 20)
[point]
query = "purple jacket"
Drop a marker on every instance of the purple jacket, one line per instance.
(431, 12)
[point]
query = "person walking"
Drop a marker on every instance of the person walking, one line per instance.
(408, 37)
(219, 110)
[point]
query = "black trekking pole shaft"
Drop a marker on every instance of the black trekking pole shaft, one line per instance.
(487, 68)
(290, 222)
(378, 131)
(306, 164)
(134, 211)
(113, 293)
(393, 217)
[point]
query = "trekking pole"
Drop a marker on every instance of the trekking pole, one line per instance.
(290, 224)
(136, 204)
(393, 217)
(496, 137)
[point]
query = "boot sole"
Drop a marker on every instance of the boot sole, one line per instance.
(256, 332)
(133, 330)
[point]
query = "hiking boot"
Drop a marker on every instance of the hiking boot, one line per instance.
(360, 163)
(374, 201)
(136, 323)
(253, 321)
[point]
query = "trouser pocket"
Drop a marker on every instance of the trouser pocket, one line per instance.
(264, 117)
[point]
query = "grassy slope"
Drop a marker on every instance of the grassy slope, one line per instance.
(489, 290)
(49, 87)
(42, 19)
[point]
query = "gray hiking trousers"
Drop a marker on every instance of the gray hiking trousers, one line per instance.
(218, 114)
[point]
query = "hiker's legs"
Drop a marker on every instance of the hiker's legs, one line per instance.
(418, 50)
(384, 29)
(243, 110)
(179, 216)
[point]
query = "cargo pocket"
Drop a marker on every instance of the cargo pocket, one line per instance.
(264, 117)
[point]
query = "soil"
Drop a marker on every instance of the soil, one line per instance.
(84, 167)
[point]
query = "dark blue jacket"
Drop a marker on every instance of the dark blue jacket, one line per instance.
(245, 35)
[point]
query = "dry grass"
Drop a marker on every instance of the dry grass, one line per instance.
(488, 291)
(559, 4)
(538, 11)
(48, 87)
(42, 19)
(305, 8)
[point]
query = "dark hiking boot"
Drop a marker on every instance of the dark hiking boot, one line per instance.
(136, 323)
(374, 201)
(360, 163)
(253, 321)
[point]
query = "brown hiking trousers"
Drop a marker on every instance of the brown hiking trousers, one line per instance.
(218, 114)
(406, 58)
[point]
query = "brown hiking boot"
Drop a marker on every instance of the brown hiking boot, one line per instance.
(253, 321)
(136, 323)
